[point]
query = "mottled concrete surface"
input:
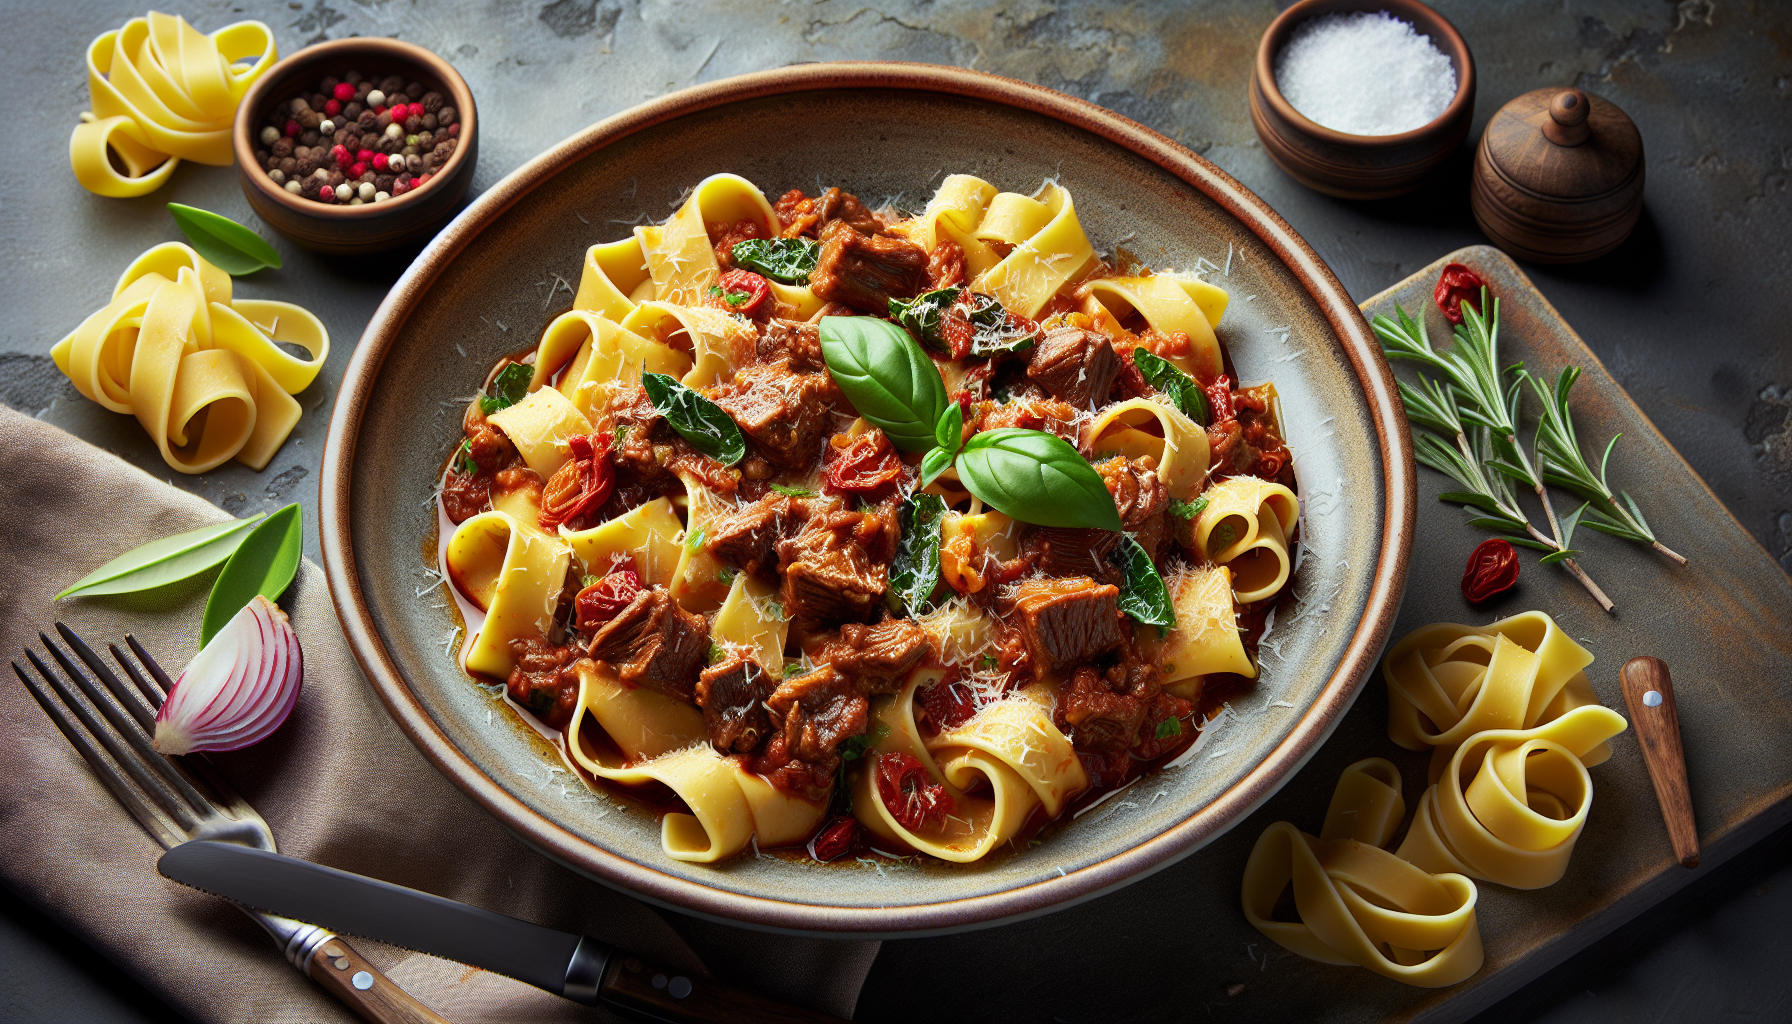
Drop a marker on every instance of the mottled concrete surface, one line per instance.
(1689, 315)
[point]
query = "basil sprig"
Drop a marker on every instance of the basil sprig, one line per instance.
(1142, 592)
(915, 571)
(697, 419)
(1037, 478)
(785, 260)
(1163, 375)
(886, 376)
(921, 315)
(510, 387)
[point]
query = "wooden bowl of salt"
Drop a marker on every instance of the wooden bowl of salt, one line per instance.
(1362, 99)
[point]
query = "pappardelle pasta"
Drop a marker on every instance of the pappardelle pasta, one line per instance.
(868, 532)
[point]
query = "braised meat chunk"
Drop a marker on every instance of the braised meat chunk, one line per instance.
(784, 414)
(545, 679)
(1071, 551)
(836, 204)
(879, 658)
(747, 538)
(867, 271)
(1063, 622)
(835, 568)
(794, 341)
(816, 713)
(1121, 707)
(732, 694)
(1075, 366)
(1141, 498)
(654, 643)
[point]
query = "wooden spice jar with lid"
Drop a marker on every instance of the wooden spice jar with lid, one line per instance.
(1558, 177)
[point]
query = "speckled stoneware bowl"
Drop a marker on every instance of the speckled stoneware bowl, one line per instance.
(487, 286)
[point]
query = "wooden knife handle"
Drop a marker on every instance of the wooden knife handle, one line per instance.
(667, 995)
(338, 967)
(1649, 694)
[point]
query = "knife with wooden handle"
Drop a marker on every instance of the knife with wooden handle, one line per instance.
(577, 967)
(1649, 694)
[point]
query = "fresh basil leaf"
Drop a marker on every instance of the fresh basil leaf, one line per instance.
(920, 316)
(785, 260)
(508, 388)
(164, 561)
(1036, 478)
(697, 419)
(265, 563)
(1142, 593)
(886, 376)
(933, 464)
(993, 335)
(915, 571)
(1189, 509)
(223, 242)
(1163, 375)
(949, 431)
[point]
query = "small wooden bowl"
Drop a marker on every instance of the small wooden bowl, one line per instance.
(1359, 166)
(373, 227)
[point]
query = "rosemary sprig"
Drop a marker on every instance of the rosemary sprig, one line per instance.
(1559, 455)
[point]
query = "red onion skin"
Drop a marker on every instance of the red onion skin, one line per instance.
(260, 688)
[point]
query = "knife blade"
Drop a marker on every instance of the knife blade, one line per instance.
(577, 967)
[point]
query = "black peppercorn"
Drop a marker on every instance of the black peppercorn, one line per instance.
(367, 119)
(352, 78)
(413, 88)
(447, 115)
(282, 146)
(307, 165)
(335, 178)
(330, 83)
(391, 84)
(289, 165)
(413, 125)
(432, 102)
(353, 111)
(384, 182)
(384, 119)
(309, 137)
(429, 122)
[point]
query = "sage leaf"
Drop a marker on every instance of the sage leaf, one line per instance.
(1142, 592)
(508, 388)
(915, 571)
(888, 378)
(936, 462)
(785, 260)
(920, 316)
(164, 561)
(1179, 387)
(223, 242)
(265, 563)
(1036, 478)
(697, 419)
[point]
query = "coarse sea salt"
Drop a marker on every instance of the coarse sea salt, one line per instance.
(1364, 74)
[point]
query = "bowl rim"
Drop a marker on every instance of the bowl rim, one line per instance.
(334, 49)
(1412, 11)
(1387, 585)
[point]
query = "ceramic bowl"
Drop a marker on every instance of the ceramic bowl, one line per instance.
(374, 227)
(1359, 166)
(494, 278)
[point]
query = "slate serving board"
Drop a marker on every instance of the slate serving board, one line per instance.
(1723, 624)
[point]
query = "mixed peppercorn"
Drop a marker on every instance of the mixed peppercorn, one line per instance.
(358, 140)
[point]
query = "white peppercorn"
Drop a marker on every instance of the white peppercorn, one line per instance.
(380, 197)
(270, 135)
(366, 190)
(376, 98)
(343, 192)
(326, 127)
(394, 131)
(278, 176)
(357, 201)
(294, 187)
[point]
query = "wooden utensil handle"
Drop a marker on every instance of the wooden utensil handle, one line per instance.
(668, 995)
(360, 985)
(1649, 694)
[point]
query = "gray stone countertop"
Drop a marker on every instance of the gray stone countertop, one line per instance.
(1690, 316)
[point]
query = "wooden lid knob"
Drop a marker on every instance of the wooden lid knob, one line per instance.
(1567, 124)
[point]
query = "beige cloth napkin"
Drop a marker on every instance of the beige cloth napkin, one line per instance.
(339, 784)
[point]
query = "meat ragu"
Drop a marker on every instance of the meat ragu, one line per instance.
(743, 630)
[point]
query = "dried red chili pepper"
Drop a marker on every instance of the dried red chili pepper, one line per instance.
(865, 465)
(581, 484)
(1492, 569)
(836, 840)
(909, 792)
(1456, 285)
(741, 291)
(605, 599)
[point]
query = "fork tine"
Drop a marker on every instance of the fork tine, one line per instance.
(121, 755)
(159, 830)
(127, 697)
(150, 692)
(156, 696)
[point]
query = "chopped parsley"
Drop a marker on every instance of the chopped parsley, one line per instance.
(727, 576)
(463, 459)
(716, 653)
(793, 492)
(793, 668)
(731, 298)
(1188, 509)
(858, 746)
(1169, 727)
(694, 542)
(622, 432)
(589, 580)
(510, 387)
(987, 661)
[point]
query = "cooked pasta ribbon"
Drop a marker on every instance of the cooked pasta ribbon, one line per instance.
(1140, 427)
(646, 537)
(752, 621)
(697, 582)
(1206, 638)
(202, 373)
(163, 92)
(514, 573)
(1168, 303)
(1358, 903)
(1245, 527)
(539, 427)
(1009, 749)
(1020, 249)
(586, 352)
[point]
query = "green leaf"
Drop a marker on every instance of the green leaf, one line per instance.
(920, 316)
(164, 561)
(1142, 593)
(794, 492)
(1036, 478)
(785, 260)
(936, 462)
(915, 570)
(949, 431)
(1181, 389)
(1558, 556)
(697, 419)
(1168, 727)
(1480, 501)
(223, 242)
(855, 747)
(993, 335)
(886, 375)
(1189, 509)
(264, 564)
(508, 388)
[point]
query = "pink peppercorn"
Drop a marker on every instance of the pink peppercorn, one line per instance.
(400, 187)
(326, 194)
(454, 129)
(292, 129)
(332, 107)
(425, 178)
(379, 161)
(339, 153)
(357, 169)
(377, 111)
(364, 156)
(344, 91)
(416, 182)
(415, 110)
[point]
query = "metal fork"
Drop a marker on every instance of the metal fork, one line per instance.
(183, 798)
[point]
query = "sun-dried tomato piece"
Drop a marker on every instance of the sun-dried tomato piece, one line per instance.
(1492, 569)
(839, 838)
(1219, 399)
(949, 704)
(865, 465)
(909, 793)
(580, 485)
(741, 291)
(1456, 285)
(603, 600)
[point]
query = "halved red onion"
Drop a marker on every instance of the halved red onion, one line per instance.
(238, 688)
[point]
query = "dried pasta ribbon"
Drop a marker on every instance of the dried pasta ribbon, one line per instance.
(1357, 903)
(201, 372)
(163, 92)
